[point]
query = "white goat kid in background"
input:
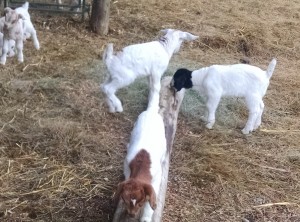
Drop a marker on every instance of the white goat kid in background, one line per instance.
(29, 30)
(146, 153)
(239, 80)
(12, 30)
(147, 59)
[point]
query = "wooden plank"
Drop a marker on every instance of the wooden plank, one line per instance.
(169, 108)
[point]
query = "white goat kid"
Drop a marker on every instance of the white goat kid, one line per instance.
(240, 80)
(29, 30)
(12, 30)
(147, 59)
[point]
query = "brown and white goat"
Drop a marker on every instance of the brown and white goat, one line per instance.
(143, 166)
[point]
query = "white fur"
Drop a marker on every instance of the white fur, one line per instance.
(147, 59)
(11, 46)
(240, 80)
(148, 134)
(29, 30)
(12, 30)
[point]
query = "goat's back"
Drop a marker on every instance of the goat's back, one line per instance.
(232, 80)
(140, 60)
(148, 134)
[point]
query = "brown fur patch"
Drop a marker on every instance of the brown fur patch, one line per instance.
(140, 166)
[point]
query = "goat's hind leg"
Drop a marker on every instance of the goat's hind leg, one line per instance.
(110, 88)
(212, 105)
(258, 119)
(4, 51)
(114, 104)
(253, 105)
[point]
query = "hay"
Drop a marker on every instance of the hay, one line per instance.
(61, 153)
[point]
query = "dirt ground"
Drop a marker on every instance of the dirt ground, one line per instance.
(61, 152)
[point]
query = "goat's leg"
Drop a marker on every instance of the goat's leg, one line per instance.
(19, 47)
(212, 105)
(253, 105)
(110, 88)
(35, 39)
(148, 211)
(154, 85)
(4, 51)
(258, 119)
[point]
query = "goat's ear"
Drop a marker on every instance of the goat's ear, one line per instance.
(116, 197)
(150, 195)
(188, 36)
(165, 31)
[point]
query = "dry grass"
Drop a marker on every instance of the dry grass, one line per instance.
(61, 153)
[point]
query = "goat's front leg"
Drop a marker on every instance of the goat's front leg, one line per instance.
(4, 51)
(154, 84)
(212, 105)
(19, 47)
(148, 211)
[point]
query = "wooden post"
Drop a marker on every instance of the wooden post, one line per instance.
(100, 16)
(169, 108)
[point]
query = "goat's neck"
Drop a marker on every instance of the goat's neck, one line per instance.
(168, 45)
(198, 76)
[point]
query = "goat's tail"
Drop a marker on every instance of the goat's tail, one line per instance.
(108, 53)
(25, 5)
(271, 68)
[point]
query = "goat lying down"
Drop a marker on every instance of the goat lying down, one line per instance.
(240, 80)
(147, 59)
(143, 165)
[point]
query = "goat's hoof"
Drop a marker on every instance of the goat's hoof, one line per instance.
(246, 131)
(209, 125)
(119, 109)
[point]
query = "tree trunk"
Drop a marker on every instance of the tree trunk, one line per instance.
(100, 16)
(169, 108)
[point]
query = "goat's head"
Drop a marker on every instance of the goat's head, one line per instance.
(135, 194)
(11, 18)
(177, 37)
(182, 79)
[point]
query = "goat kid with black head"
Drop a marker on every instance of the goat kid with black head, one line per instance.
(239, 80)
